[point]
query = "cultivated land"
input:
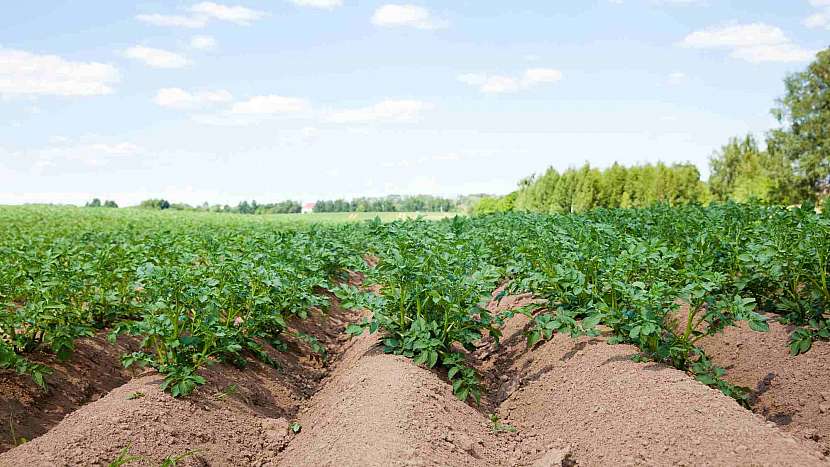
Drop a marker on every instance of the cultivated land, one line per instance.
(214, 339)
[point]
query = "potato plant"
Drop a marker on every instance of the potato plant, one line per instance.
(197, 288)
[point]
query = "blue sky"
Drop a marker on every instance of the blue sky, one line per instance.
(310, 99)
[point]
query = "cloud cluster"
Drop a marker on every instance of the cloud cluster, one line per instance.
(203, 42)
(156, 58)
(25, 73)
(501, 84)
(200, 14)
(257, 109)
(754, 43)
(821, 18)
(177, 98)
(63, 155)
(406, 15)
(270, 105)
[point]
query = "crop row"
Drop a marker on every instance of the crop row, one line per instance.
(198, 288)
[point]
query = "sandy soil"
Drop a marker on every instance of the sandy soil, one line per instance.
(573, 402)
(793, 392)
(382, 410)
(610, 410)
(241, 417)
(94, 370)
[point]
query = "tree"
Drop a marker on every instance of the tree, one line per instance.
(804, 137)
(741, 171)
(154, 204)
(110, 204)
(95, 203)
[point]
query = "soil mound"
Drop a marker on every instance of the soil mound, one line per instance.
(241, 417)
(27, 411)
(379, 409)
(792, 392)
(610, 410)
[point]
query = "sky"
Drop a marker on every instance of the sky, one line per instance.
(320, 99)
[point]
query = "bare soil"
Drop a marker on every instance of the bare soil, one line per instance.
(609, 410)
(241, 417)
(572, 402)
(27, 411)
(792, 392)
(381, 410)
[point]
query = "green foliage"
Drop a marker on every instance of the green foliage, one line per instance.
(740, 171)
(586, 188)
(158, 204)
(803, 139)
(498, 427)
(392, 203)
(200, 288)
(493, 204)
(173, 460)
(124, 458)
(195, 289)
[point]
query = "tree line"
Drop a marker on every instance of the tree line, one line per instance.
(791, 166)
(392, 203)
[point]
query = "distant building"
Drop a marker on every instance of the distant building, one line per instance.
(308, 207)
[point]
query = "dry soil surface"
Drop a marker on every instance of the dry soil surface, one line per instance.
(572, 402)
(792, 392)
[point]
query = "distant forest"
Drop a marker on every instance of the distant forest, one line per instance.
(391, 203)
(794, 165)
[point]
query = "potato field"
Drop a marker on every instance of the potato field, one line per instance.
(657, 336)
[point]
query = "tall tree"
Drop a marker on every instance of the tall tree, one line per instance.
(804, 136)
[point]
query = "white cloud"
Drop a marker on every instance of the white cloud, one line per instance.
(774, 53)
(177, 98)
(203, 42)
(817, 20)
(193, 22)
(500, 84)
(63, 157)
(820, 19)
(392, 15)
(737, 35)
(322, 4)
(676, 77)
(25, 73)
(234, 14)
(385, 111)
(756, 42)
(157, 58)
(202, 13)
(270, 105)
(536, 76)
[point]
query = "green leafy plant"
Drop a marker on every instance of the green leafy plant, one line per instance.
(173, 460)
(497, 426)
(124, 457)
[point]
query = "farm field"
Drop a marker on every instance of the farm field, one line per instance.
(657, 336)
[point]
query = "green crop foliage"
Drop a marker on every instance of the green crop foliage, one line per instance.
(198, 288)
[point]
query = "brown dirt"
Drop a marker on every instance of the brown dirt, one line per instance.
(607, 409)
(94, 370)
(792, 392)
(379, 409)
(248, 426)
(573, 402)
